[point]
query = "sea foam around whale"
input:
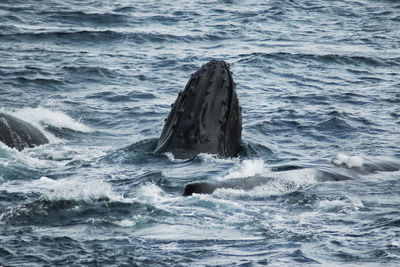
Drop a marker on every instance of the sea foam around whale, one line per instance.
(318, 82)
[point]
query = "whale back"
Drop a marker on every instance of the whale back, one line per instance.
(206, 116)
(19, 134)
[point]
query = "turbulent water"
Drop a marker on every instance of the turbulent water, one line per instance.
(319, 84)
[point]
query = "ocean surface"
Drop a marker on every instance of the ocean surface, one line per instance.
(319, 82)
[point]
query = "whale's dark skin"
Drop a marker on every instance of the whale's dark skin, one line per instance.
(249, 183)
(19, 134)
(240, 183)
(206, 116)
(332, 173)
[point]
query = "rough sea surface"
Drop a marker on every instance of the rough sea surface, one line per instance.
(319, 82)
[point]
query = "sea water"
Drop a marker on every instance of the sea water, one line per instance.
(319, 84)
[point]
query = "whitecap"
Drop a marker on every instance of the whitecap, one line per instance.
(247, 168)
(51, 117)
(348, 161)
(66, 189)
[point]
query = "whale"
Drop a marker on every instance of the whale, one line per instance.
(249, 183)
(206, 116)
(334, 172)
(19, 134)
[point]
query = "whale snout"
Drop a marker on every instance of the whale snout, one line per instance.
(206, 116)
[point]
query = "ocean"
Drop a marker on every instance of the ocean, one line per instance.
(319, 84)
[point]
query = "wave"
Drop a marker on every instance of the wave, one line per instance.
(336, 125)
(70, 201)
(17, 166)
(72, 212)
(58, 78)
(90, 71)
(59, 119)
(45, 82)
(346, 60)
(253, 178)
(103, 36)
(273, 182)
(84, 18)
(8, 29)
(134, 96)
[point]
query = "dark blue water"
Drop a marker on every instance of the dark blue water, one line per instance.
(318, 81)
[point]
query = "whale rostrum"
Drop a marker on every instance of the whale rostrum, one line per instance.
(206, 117)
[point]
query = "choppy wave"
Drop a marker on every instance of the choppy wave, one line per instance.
(345, 60)
(105, 36)
(50, 117)
(318, 83)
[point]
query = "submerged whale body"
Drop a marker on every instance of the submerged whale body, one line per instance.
(249, 183)
(239, 183)
(336, 172)
(206, 116)
(19, 134)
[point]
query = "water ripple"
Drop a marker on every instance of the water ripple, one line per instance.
(318, 83)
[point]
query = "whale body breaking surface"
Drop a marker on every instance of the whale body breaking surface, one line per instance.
(205, 118)
(19, 134)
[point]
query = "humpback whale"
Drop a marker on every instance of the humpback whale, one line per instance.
(335, 172)
(206, 117)
(249, 183)
(239, 183)
(19, 134)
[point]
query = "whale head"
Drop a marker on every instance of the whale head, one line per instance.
(206, 117)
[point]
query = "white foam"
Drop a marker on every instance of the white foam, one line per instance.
(11, 157)
(125, 223)
(247, 168)
(180, 231)
(275, 182)
(51, 117)
(207, 157)
(150, 192)
(74, 189)
(172, 158)
(289, 181)
(347, 205)
(395, 243)
(5, 150)
(327, 205)
(348, 161)
(356, 203)
(154, 195)
(136, 138)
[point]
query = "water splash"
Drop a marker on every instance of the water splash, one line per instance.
(348, 161)
(51, 117)
(247, 168)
